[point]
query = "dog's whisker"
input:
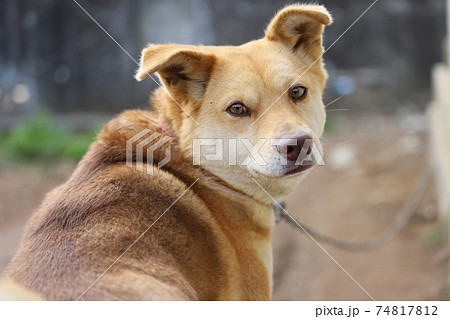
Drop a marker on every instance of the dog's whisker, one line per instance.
(330, 143)
(337, 110)
(343, 142)
(327, 142)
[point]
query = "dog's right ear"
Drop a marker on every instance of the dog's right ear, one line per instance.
(183, 69)
(300, 27)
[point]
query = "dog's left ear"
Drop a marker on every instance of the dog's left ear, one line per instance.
(300, 27)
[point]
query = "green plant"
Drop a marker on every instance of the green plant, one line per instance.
(40, 138)
(436, 236)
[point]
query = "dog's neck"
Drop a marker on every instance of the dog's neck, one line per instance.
(238, 206)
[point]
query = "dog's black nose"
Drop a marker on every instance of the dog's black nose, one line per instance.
(296, 148)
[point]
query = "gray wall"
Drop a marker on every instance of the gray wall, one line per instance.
(68, 64)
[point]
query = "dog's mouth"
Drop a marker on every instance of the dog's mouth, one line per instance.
(295, 170)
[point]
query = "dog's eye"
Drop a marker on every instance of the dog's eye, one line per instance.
(238, 109)
(298, 92)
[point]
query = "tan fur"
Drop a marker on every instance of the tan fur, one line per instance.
(214, 242)
(11, 291)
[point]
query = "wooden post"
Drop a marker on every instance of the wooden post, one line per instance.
(447, 40)
(439, 118)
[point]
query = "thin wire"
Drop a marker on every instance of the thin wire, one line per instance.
(317, 243)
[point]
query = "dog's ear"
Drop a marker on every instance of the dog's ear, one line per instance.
(300, 27)
(183, 69)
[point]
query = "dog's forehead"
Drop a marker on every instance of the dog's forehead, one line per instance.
(261, 60)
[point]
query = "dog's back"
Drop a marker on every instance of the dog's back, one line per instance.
(84, 225)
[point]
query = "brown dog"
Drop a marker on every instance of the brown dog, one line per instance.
(187, 230)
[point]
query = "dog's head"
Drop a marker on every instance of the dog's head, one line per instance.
(248, 112)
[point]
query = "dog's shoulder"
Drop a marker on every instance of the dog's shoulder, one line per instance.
(112, 174)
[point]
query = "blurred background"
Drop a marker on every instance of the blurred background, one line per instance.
(62, 77)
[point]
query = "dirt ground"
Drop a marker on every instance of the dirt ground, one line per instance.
(371, 166)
